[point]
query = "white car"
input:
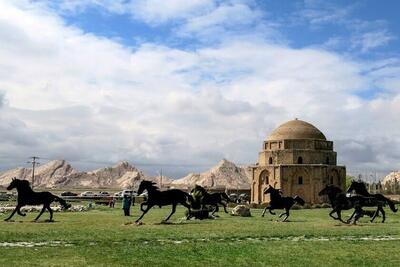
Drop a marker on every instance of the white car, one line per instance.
(118, 194)
(88, 194)
(103, 194)
(127, 192)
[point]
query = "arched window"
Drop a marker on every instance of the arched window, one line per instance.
(300, 180)
(331, 180)
(299, 160)
(266, 180)
(270, 160)
(327, 160)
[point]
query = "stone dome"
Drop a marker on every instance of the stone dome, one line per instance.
(296, 129)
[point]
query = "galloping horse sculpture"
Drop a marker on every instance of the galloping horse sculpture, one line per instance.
(212, 199)
(26, 196)
(162, 198)
(339, 201)
(361, 189)
(280, 202)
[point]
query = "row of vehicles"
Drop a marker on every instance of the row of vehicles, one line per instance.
(121, 194)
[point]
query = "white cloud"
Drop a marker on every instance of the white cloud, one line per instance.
(159, 11)
(75, 95)
(370, 40)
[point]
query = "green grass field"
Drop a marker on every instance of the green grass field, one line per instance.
(103, 237)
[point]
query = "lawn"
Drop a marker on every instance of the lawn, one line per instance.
(103, 237)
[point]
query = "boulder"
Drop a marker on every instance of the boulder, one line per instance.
(241, 210)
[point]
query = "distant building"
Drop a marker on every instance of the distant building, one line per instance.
(298, 159)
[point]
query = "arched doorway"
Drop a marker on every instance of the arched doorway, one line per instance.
(263, 182)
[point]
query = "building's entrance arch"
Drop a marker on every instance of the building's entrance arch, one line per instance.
(263, 182)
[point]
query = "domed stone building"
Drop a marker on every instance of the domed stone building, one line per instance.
(298, 159)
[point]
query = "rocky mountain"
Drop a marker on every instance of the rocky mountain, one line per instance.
(224, 175)
(59, 174)
(49, 175)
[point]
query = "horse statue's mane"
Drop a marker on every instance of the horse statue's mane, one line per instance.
(150, 185)
(199, 188)
(358, 186)
(23, 185)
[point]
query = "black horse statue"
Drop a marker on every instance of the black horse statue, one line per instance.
(361, 189)
(207, 199)
(162, 198)
(26, 196)
(280, 202)
(339, 202)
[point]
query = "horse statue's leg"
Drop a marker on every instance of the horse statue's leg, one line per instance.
(383, 214)
(12, 213)
(21, 213)
(331, 214)
(351, 217)
(287, 215)
(183, 203)
(359, 214)
(143, 204)
(264, 211)
(216, 209)
(51, 212)
(144, 212)
(376, 214)
(172, 212)
(270, 211)
(223, 205)
(339, 214)
(41, 212)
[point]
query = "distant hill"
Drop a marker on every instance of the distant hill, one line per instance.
(224, 175)
(59, 173)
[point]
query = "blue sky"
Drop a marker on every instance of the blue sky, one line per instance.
(187, 83)
(299, 23)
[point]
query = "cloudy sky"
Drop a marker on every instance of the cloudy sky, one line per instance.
(181, 84)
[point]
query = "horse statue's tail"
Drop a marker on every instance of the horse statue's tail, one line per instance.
(63, 203)
(391, 204)
(226, 197)
(299, 200)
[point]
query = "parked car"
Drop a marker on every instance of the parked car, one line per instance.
(88, 194)
(68, 194)
(103, 194)
(118, 194)
(127, 192)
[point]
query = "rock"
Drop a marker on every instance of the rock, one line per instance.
(241, 210)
